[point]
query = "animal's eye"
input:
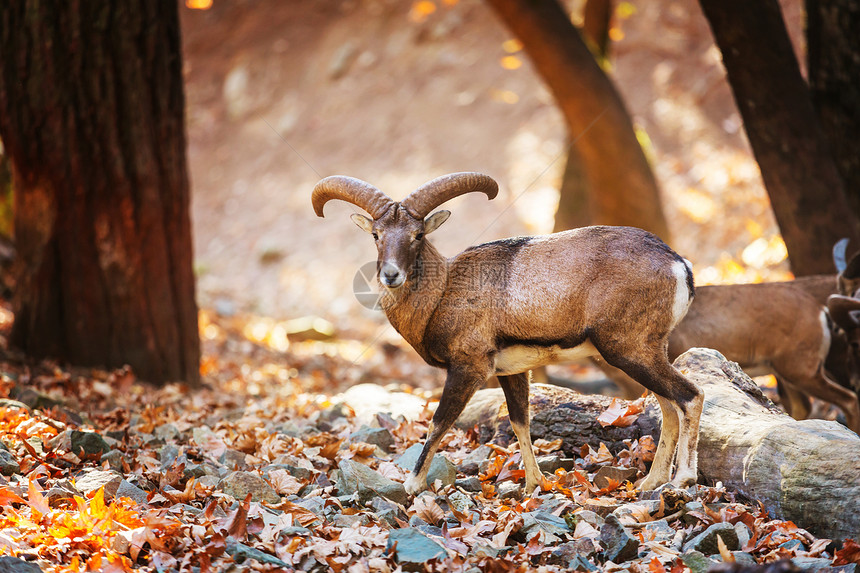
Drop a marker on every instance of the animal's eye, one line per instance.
(375, 237)
(419, 236)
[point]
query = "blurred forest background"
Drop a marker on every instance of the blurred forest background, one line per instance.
(393, 93)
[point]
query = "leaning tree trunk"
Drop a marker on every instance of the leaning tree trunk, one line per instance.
(575, 202)
(622, 184)
(92, 117)
(833, 52)
(799, 172)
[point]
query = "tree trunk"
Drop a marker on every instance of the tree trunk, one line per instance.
(798, 169)
(574, 202)
(807, 472)
(92, 117)
(622, 184)
(833, 52)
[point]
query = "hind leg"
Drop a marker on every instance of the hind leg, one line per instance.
(516, 389)
(674, 393)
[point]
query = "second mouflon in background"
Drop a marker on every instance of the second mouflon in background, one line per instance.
(508, 306)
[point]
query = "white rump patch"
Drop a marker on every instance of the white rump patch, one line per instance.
(825, 339)
(682, 291)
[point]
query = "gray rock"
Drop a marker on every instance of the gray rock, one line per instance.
(234, 459)
(461, 502)
(241, 553)
(295, 471)
(413, 547)
(440, 468)
(619, 545)
(744, 534)
(547, 525)
(95, 479)
(294, 530)
(572, 519)
(629, 510)
(346, 521)
(743, 558)
(239, 484)
(8, 464)
(167, 431)
(114, 459)
(354, 477)
(565, 554)
(14, 565)
(388, 511)
(62, 490)
(697, 562)
(379, 437)
(368, 400)
(471, 464)
(80, 443)
(606, 473)
(706, 542)
(659, 531)
(549, 464)
(811, 563)
(509, 490)
(128, 489)
(471, 484)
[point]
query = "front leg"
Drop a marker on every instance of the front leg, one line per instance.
(460, 384)
(516, 389)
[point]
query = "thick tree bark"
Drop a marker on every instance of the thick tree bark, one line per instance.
(833, 53)
(799, 172)
(92, 117)
(622, 184)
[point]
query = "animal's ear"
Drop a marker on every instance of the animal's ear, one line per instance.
(435, 221)
(365, 223)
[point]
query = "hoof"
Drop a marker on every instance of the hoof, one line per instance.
(684, 480)
(413, 485)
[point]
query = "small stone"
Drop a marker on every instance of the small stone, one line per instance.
(241, 553)
(744, 534)
(706, 542)
(811, 563)
(659, 531)
(793, 545)
(461, 502)
(114, 459)
(8, 464)
(358, 478)
(234, 459)
(62, 490)
(95, 479)
(602, 506)
(471, 464)
(167, 431)
(471, 484)
(346, 521)
(547, 525)
(80, 443)
(632, 512)
(239, 484)
(619, 545)
(509, 490)
(549, 464)
(692, 506)
(129, 490)
(440, 468)
(607, 473)
(388, 511)
(379, 437)
(14, 565)
(413, 547)
(586, 515)
(565, 554)
(697, 562)
(743, 558)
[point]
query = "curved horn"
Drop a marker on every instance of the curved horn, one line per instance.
(839, 254)
(841, 309)
(355, 191)
(420, 202)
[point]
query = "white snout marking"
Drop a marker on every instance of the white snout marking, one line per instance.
(825, 339)
(520, 358)
(390, 275)
(682, 291)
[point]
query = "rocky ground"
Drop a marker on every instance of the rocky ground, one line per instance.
(284, 463)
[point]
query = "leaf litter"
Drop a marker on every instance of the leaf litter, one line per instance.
(104, 473)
